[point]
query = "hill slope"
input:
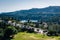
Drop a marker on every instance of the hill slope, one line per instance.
(35, 13)
(33, 36)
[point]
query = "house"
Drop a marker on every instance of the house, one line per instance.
(9, 22)
(45, 24)
(38, 30)
(18, 25)
(14, 24)
(1, 20)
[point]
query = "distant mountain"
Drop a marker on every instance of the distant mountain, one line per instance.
(35, 13)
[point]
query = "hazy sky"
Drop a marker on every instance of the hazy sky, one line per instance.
(13, 5)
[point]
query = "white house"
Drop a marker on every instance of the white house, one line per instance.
(38, 30)
(18, 24)
(45, 24)
(9, 22)
(1, 20)
(14, 23)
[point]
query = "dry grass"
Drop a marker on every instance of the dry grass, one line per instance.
(32, 36)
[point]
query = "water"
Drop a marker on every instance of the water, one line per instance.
(27, 21)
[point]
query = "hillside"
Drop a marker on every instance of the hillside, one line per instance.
(32, 36)
(45, 14)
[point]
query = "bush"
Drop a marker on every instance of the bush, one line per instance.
(10, 30)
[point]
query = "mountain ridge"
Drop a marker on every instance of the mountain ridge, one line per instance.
(35, 13)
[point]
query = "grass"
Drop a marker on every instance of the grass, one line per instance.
(33, 36)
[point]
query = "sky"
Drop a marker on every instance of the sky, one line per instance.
(14, 5)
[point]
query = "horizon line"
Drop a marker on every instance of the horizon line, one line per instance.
(25, 9)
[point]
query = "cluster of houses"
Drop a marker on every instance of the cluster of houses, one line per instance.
(21, 25)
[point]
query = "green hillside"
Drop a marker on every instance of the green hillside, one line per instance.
(33, 36)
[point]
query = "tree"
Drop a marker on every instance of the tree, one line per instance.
(9, 32)
(1, 33)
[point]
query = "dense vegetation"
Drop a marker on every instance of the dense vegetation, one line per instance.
(7, 31)
(49, 15)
